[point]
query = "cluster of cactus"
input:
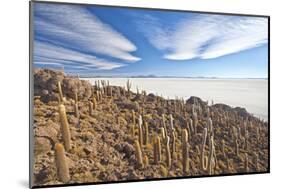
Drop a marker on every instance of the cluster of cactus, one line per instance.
(164, 141)
(61, 163)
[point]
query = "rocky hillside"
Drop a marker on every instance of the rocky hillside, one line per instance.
(115, 134)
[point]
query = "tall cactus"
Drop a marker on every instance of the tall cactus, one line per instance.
(138, 154)
(236, 147)
(98, 96)
(128, 85)
(133, 117)
(65, 127)
(185, 152)
(164, 124)
(163, 136)
(190, 123)
(168, 153)
(173, 153)
(203, 158)
(133, 130)
(140, 131)
(258, 134)
(210, 126)
(211, 159)
(61, 163)
(90, 108)
(76, 110)
(60, 92)
(171, 122)
(155, 150)
(110, 92)
(146, 134)
(223, 148)
(94, 101)
(195, 122)
(145, 161)
(76, 97)
(158, 148)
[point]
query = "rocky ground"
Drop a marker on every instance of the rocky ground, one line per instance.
(102, 143)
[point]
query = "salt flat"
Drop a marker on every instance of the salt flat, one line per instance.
(251, 94)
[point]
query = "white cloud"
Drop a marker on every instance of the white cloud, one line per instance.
(47, 54)
(75, 28)
(205, 36)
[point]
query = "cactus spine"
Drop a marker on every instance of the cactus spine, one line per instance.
(185, 153)
(138, 154)
(64, 127)
(168, 153)
(61, 163)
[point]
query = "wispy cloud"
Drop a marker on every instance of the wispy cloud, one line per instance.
(66, 34)
(49, 54)
(204, 36)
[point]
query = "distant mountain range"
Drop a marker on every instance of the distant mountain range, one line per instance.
(155, 76)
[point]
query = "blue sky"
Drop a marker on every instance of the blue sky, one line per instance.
(119, 41)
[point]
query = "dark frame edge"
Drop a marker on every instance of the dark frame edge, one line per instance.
(31, 137)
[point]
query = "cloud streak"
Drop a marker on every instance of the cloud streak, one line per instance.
(204, 36)
(66, 34)
(49, 54)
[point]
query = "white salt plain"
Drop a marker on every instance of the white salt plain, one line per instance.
(251, 94)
